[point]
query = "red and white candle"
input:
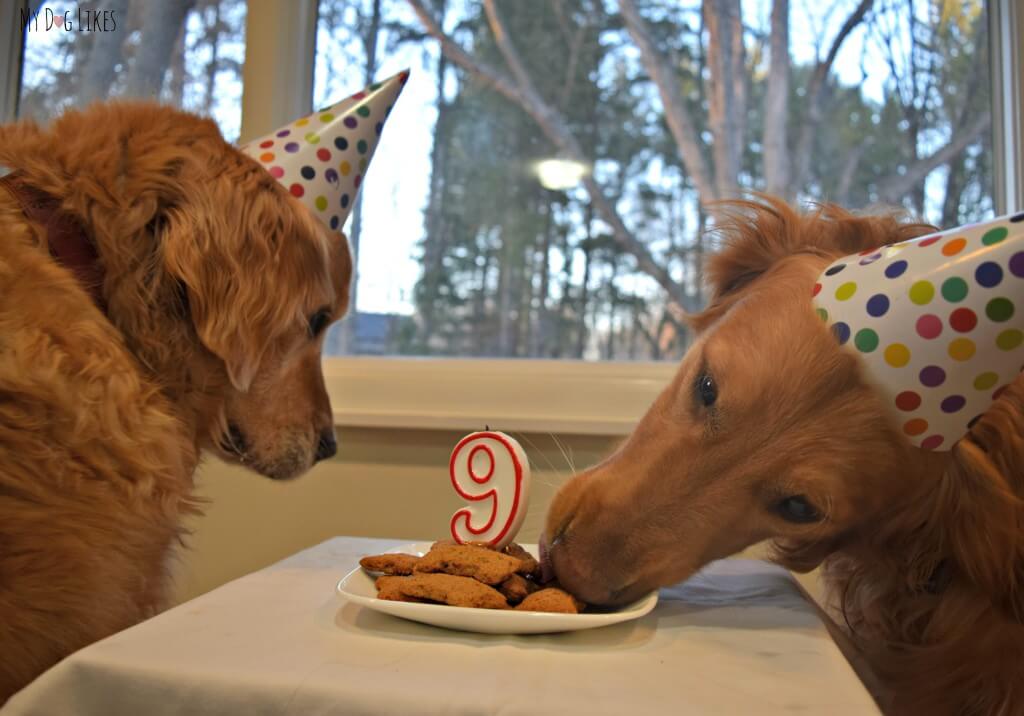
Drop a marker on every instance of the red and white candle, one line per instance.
(490, 471)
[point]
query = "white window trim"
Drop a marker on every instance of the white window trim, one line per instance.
(1006, 41)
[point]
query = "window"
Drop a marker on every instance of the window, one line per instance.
(185, 53)
(546, 197)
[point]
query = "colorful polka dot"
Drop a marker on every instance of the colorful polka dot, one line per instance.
(361, 146)
(816, 290)
(832, 270)
(1009, 339)
(345, 168)
(363, 163)
(866, 340)
(985, 380)
(999, 309)
(878, 305)
(313, 138)
(363, 111)
(276, 172)
(988, 274)
(284, 133)
(323, 155)
(334, 223)
(953, 403)
(954, 289)
(932, 376)
(1017, 264)
(915, 426)
(267, 144)
(267, 157)
(922, 292)
(867, 261)
(326, 117)
(929, 326)
(932, 442)
(296, 190)
(929, 241)
(341, 143)
(822, 314)
(302, 122)
(962, 349)
(307, 172)
(331, 175)
(895, 269)
(321, 202)
(351, 122)
(952, 248)
(358, 180)
(379, 127)
(841, 331)
(897, 355)
(908, 401)
(291, 147)
(344, 201)
(963, 320)
(994, 236)
(845, 292)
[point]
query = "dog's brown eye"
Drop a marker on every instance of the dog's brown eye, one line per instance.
(797, 508)
(318, 322)
(707, 390)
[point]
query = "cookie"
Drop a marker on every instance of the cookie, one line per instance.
(528, 563)
(516, 588)
(551, 600)
(445, 588)
(390, 564)
(480, 563)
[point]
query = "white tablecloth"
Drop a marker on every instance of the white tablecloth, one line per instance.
(737, 639)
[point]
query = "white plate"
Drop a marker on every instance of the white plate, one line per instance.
(358, 587)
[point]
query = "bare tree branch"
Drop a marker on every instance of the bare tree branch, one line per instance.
(555, 127)
(773, 143)
(894, 188)
(815, 93)
(727, 108)
(676, 115)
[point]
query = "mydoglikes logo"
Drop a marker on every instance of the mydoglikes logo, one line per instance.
(79, 19)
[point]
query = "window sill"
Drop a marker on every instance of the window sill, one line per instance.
(564, 397)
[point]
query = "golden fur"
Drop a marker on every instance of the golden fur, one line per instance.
(923, 552)
(212, 272)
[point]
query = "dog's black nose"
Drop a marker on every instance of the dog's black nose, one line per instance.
(327, 446)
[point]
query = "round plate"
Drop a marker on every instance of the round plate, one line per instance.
(358, 587)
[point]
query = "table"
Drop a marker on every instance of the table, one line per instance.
(738, 638)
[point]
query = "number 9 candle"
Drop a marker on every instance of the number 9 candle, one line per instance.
(490, 471)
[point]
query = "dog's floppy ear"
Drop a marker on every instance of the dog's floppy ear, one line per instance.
(249, 278)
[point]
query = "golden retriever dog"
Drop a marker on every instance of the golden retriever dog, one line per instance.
(203, 332)
(769, 431)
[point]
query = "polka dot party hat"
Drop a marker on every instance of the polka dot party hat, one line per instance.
(322, 158)
(936, 323)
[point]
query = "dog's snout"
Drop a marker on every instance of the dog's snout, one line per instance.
(327, 446)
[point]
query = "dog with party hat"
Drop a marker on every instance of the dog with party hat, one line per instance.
(163, 294)
(853, 397)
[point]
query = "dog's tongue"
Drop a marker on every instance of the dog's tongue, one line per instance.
(547, 572)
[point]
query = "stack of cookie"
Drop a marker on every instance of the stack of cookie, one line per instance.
(469, 575)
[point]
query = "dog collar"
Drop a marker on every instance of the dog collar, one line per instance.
(937, 322)
(66, 237)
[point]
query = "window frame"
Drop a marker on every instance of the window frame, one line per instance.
(567, 397)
